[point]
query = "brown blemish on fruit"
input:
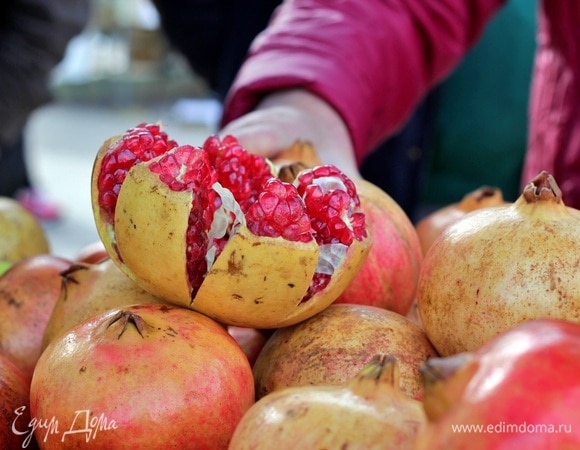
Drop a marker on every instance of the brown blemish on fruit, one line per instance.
(235, 265)
(171, 332)
(304, 261)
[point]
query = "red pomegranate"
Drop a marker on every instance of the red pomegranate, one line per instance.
(28, 292)
(519, 390)
(92, 253)
(88, 290)
(235, 242)
(143, 376)
(499, 266)
(389, 276)
(332, 346)
(15, 431)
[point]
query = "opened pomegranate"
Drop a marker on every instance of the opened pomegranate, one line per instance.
(497, 267)
(28, 292)
(367, 412)
(90, 289)
(143, 376)
(431, 226)
(22, 234)
(212, 228)
(332, 346)
(519, 390)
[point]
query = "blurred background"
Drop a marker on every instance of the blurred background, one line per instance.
(117, 73)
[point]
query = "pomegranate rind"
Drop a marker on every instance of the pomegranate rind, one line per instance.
(258, 282)
(104, 228)
(150, 235)
(342, 277)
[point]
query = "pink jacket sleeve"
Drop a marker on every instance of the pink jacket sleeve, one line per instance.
(372, 60)
(554, 134)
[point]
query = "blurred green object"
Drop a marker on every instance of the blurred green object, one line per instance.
(4, 266)
(481, 112)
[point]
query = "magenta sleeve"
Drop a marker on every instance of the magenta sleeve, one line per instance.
(372, 60)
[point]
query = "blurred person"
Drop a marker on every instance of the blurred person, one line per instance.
(214, 36)
(446, 146)
(475, 117)
(348, 75)
(34, 35)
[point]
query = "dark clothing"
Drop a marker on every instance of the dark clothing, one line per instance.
(34, 35)
(214, 35)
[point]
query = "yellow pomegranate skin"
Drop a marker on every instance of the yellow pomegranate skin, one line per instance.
(500, 266)
(368, 412)
(333, 345)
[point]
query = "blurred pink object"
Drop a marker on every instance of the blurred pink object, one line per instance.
(42, 207)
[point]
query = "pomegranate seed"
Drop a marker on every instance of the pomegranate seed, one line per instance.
(279, 211)
(240, 171)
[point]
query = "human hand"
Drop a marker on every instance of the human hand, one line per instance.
(284, 117)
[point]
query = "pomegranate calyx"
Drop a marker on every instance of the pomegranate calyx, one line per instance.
(484, 195)
(381, 368)
(444, 381)
(378, 379)
(542, 188)
(126, 318)
(380, 374)
(71, 270)
(289, 172)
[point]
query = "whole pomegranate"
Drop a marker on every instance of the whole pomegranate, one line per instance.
(389, 276)
(22, 234)
(431, 226)
(93, 252)
(367, 412)
(143, 376)
(91, 289)
(332, 346)
(518, 390)
(213, 229)
(14, 407)
(28, 292)
(499, 266)
(251, 341)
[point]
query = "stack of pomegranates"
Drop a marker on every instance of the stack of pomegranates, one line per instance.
(233, 302)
